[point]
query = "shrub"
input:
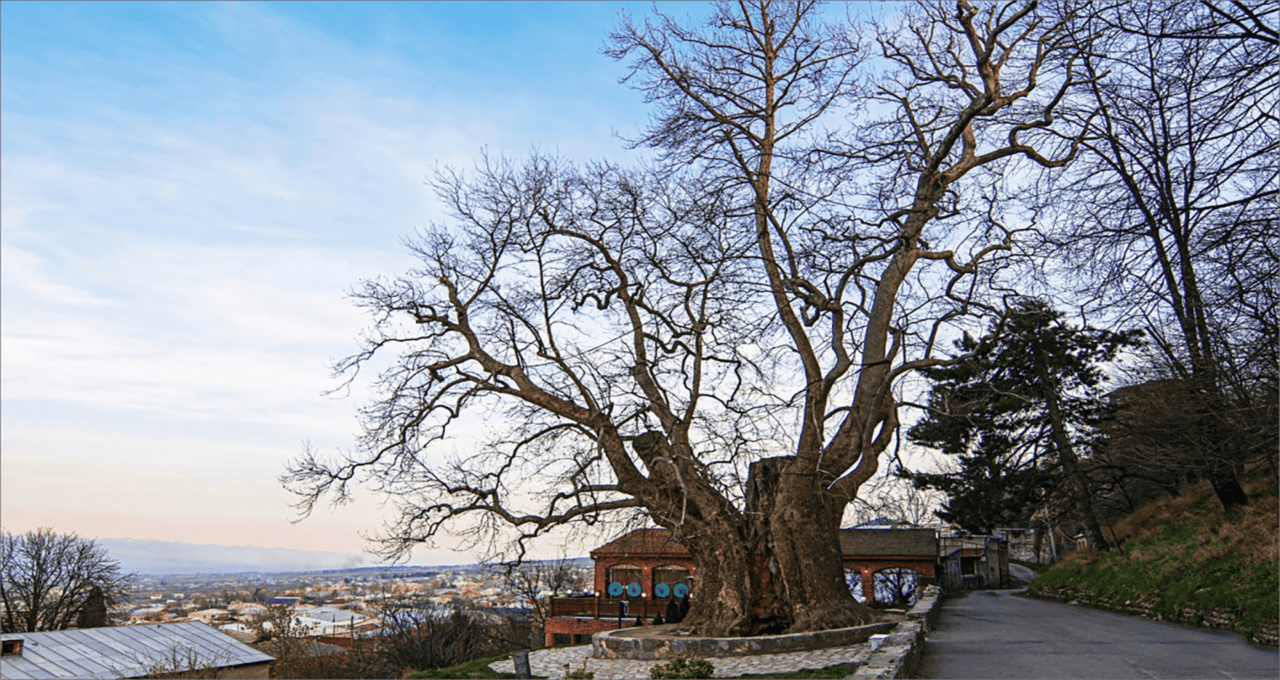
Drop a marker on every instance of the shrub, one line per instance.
(683, 667)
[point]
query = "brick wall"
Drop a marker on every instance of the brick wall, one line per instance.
(582, 628)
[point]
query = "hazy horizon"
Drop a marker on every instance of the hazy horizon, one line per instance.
(189, 191)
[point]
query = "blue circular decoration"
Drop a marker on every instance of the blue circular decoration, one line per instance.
(615, 589)
(681, 590)
(661, 590)
(633, 590)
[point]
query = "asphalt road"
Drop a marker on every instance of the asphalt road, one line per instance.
(995, 634)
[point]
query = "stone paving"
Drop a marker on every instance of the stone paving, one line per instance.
(550, 663)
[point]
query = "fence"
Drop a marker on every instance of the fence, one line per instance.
(606, 607)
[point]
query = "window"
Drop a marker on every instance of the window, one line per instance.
(665, 580)
(624, 576)
(853, 579)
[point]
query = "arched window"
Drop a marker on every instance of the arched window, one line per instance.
(896, 586)
(626, 576)
(665, 580)
(853, 578)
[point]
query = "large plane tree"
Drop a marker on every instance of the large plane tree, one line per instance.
(713, 342)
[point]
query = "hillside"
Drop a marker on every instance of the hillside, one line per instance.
(1183, 559)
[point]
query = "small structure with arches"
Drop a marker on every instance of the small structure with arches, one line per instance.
(638, 574)
(889, 566)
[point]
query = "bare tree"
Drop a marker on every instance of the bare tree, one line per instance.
(892, 497)
(535, 583)
(1172, 213)
(46, 579)
(180, 661)
(739, 315)
(417, 635)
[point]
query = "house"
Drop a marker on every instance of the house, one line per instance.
(639, 573)
(970, 562)
(188, 648)
(636, 574)
(330, 621)
(210, 615)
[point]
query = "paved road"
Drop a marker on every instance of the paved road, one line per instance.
(995, 634)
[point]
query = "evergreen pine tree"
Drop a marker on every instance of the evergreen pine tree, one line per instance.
(1017, 409)
(93, 613)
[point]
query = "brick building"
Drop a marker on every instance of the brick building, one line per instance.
(889, 564)
(639, 573)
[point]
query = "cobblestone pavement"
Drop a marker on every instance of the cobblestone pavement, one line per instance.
(550, 663)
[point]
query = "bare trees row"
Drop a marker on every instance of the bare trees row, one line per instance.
(1170, 217)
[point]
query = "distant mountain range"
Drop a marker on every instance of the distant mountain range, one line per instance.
(172, 557)
(177, 558)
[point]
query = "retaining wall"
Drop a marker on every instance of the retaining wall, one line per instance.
(615, 644)
(1196, 615)
(899, 655)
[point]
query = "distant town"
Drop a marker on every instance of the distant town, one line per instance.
(341, 602)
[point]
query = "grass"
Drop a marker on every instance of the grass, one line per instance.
(477, 668)
(1184, 554)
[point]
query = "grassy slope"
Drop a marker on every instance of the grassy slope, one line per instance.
(475, 668)
(1181, 556)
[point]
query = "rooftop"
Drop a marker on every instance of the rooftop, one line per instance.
(643, 542)
(884, 542)
(124, 651)
(889, 543)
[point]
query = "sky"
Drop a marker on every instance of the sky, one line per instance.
(190, 190)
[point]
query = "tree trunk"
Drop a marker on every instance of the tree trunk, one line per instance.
(1071, 464)
(1208, 407)
(755, 570)
(1226, 485)
(805, 530)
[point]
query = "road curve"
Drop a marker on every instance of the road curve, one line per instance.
(995, 634)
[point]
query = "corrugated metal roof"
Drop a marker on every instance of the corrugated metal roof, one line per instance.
(123, 651)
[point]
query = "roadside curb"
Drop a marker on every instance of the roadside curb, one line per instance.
(899, 654)
(1266, 634)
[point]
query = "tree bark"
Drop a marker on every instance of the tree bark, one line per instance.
(754, 569)
(1071, 464)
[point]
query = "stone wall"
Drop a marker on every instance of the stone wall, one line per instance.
(1196, 615)
(619, 645)
(898, 656)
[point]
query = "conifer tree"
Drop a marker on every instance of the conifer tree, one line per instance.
(93, 613)
(1018, 408)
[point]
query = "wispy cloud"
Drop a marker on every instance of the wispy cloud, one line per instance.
(188, 191)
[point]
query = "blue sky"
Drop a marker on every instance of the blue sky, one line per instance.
(188, 191)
